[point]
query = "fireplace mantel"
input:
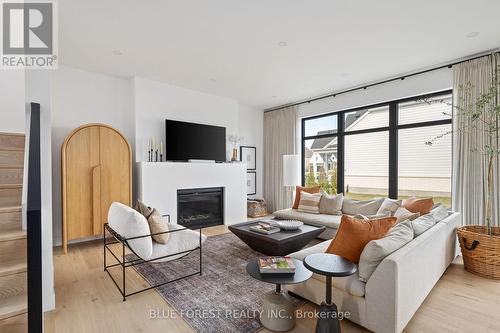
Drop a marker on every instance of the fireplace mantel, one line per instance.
(158, 183)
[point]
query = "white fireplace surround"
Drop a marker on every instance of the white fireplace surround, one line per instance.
(158, 183)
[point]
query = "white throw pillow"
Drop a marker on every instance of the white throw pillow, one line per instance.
(128, 222)
(309, 202)
(331, 204)
(376, 250)
(427, 221)
(439, 213)
(403, 214)
(364, 207)
(389, 206)
(371, 217)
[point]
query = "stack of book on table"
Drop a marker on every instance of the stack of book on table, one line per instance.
(276, 265)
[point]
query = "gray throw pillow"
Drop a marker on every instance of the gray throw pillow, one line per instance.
(403, 214)
(422, 224)
(364, 207)
(389, 206)
(427, 221)
(376, 250)
(439, 213)
(331, 204)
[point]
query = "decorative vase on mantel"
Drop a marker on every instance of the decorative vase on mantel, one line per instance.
(234, 155)
(235, 140)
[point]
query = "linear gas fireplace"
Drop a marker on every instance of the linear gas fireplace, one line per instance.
(200, 207)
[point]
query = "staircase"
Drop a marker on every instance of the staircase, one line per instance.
(13, 272)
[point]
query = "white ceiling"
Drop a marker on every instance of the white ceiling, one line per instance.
(231, 47)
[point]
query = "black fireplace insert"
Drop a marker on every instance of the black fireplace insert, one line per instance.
(200, 207)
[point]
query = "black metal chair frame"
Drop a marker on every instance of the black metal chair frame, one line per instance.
(125, 264)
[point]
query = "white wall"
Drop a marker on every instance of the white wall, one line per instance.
(251, 127)
(413, 86)
(159, 182)
(156, 101)
(80, 97)
(138, 108)
(38, 91)
(12, 106)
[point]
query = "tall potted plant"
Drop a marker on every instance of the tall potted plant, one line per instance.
(480, 244)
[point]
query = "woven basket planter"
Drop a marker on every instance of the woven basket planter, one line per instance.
(256, 208)
(480, 251)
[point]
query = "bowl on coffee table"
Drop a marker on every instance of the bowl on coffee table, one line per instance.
(289, 225)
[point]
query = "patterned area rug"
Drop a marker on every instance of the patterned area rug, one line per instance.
(225, 299)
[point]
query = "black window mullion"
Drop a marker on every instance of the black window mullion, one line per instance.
(393, 151)
(340, 153)
(393, 129)
(303, 150)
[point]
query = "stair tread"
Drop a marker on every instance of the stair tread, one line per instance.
(12, 235)
(12, 134)
(11, 148)
(13, 306)
(13, 269)
(11, 186)
(10, 209)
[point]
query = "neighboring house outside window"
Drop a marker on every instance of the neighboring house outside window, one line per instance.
(422, 170)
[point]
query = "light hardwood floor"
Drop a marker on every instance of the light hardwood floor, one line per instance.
(87, 301)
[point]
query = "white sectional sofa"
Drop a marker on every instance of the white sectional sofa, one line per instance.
(331, 222)
(398, 286)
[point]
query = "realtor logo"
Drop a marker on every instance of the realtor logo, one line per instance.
(28, 35)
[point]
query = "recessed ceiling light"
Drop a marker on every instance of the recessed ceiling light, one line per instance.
(282, 44)
(117, 52)
(472, 34)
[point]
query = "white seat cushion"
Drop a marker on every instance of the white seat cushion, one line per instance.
(350, 284)
(178, 241)
(318, 248)
(329, 221)
(128, 222)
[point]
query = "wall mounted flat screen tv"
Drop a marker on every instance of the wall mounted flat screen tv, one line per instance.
(190, 141)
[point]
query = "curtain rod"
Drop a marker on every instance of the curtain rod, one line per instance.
(402, 77)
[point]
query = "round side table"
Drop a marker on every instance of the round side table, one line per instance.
(329, 265)
(277, 307)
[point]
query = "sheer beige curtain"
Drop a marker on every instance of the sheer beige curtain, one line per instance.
(279, 139)
(470, 167)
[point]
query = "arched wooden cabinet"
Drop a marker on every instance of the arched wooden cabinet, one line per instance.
(96, 170)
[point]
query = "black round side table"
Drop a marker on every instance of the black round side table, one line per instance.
(277, 307)
(329, 265)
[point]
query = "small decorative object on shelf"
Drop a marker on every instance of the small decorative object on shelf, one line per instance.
(155, 150)
(276, 265)
(235, 140)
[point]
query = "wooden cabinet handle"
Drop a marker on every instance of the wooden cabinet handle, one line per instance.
(97, 226)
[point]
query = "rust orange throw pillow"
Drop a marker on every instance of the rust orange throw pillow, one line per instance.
(313, 189)
(354, 234)
(419, 205)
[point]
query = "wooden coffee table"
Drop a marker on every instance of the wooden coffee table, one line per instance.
(277, 244)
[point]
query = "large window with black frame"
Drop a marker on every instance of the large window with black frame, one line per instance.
(397, 149)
